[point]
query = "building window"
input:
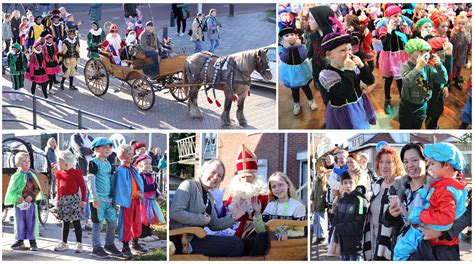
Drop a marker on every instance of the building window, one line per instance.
(263, 169)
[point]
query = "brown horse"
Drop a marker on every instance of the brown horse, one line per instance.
(231, 74)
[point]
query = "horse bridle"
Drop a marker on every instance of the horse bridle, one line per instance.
(259, 67)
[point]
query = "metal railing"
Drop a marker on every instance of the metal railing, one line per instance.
(34, 110)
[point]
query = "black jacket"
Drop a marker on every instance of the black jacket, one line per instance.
(349, 222)
(130, 10)
(15, 23)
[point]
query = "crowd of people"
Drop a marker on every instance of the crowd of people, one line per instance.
(412, 207)
(423, 47)
(90, 182)
(41, 47)
(235, 227)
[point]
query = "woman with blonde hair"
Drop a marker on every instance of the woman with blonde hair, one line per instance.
(50, 150)
(377, 241)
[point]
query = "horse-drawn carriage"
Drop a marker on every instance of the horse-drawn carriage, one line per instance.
(39, 164)
(292, 249)
(140, 74)
(184, 76)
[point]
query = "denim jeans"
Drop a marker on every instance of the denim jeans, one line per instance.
(350, 257)
(154, 57)
(320, 223)
(109, 235)
(197, 46)
(214, 44)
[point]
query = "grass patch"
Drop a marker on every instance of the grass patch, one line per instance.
(155, 254)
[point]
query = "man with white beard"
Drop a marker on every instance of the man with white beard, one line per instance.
(246, 190)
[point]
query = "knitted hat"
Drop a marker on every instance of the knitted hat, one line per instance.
(246, 161)
(141, 158)
(446, 152)
(438, 18)
(138, 145)
(149, 24)
(423, 21)
(345, 176)
(334, 40)
(286, 30)
(392, 10)
(416, 44)
(436, 43)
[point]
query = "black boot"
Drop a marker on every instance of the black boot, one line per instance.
(62, 83)
(71, 85)
(137, 247)
(388, 107)
(126, 250)
(18, 245)
(33, 246)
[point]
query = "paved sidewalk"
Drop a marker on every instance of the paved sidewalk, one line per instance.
(50, 236)
(167, 113)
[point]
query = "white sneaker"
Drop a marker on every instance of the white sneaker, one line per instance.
(312, 105)
(78, 248)
(181, 34)
(296, 109)
(61, 247)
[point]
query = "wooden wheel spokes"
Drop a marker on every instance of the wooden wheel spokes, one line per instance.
(143, 94)
(181, 94)
(96, 77)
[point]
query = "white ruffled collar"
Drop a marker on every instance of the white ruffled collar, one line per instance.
(97, 32)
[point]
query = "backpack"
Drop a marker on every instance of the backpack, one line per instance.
(204, 24)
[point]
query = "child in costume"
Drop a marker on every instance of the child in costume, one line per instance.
(23, 191)
(418, 81)
(393, 37)
(283, 204)
(70, 53)
(348, 106)
(444, 49)
(18, 65)
(51, 53)
(138, 28)
(35, 31)
(139, 149)
(151, 211)
(95, 37)
(129, 196)
(460, 37)
(295, 70)
(349, 218)
(423, 29)
(37, 69)
(101, 198)
(58, 31)
(444, 203)
(70, 203)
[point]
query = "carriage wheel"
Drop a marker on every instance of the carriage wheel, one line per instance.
(181, 94)
(96, 77)
(143, 94)
(43, 210)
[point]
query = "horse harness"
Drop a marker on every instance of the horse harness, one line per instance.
(220, 65)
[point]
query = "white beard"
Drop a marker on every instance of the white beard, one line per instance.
(243, 192)
(114, 40)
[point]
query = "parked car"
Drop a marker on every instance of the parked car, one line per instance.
(257, 79)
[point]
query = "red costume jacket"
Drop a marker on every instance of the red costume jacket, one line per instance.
(444, 207)
(243, 220)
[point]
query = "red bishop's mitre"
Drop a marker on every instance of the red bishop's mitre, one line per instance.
(246, 161)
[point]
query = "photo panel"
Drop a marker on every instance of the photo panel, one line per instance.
(372, 194)
(139, 66)
(111, 187)
(238, 196)
(361, 65)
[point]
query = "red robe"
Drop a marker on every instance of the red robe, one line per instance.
(243, 220)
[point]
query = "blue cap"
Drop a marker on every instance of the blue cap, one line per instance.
(446, 152)
(101, 141)
(380, 145)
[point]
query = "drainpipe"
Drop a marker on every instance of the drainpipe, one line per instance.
(285, 152)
